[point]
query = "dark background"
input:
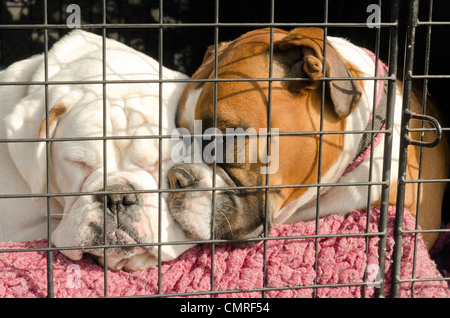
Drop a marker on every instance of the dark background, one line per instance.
(183, 47)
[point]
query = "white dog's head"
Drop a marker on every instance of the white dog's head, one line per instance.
(132, 169)
(126, 164)
(129, 206)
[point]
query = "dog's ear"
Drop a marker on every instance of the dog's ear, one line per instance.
(300, 53)
(26, 122)
(57, 111)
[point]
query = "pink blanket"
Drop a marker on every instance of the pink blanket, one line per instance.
(290, 262)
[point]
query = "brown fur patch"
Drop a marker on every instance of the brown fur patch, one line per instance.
(57, 111)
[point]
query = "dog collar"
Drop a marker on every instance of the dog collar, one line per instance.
(376, 121)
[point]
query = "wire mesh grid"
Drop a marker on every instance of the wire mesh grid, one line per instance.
(104, 19)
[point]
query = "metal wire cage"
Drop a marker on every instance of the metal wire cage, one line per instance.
(172, 33)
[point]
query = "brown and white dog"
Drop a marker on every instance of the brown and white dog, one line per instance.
(295, 107)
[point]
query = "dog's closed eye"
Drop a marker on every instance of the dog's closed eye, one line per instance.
(83, 165)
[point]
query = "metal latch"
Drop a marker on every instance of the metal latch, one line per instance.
(411, 115)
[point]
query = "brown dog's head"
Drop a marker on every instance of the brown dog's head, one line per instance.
(242, 107)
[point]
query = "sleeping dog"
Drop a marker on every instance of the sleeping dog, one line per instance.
(295, 107)
(77, 166)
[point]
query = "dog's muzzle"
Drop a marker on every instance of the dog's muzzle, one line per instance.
(235, 214)
(115, 221)
(120, 210)
(119, 202)
(120, 207)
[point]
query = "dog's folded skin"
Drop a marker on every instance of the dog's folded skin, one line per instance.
(76, 111)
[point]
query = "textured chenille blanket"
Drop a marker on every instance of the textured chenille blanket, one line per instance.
(289, 265)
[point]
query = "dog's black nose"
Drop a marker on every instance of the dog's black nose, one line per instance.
(118, 202)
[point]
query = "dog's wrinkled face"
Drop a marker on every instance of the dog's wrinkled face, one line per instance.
(104, 165)
(295, 107)
(122, 215)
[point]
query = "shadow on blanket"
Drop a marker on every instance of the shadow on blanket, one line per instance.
(290, 262)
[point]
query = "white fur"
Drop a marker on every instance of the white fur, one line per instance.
(198, 206)
(132, 110)
(189, 107)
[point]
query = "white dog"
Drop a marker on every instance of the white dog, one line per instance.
(76, 111)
